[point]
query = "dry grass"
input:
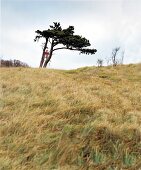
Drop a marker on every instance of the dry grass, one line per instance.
(89, 118)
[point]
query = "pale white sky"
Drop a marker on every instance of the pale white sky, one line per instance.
(106, 23)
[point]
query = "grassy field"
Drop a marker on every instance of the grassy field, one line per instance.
(84, 119)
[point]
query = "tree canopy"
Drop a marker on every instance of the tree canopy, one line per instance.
(55, 35)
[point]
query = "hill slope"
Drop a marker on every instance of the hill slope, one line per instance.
(89, 118)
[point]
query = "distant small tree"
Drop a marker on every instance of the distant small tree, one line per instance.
(100, 62)
(114, 56)
(108, 61)
(57, 36)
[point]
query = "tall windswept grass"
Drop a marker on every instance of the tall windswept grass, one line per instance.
(89, 118)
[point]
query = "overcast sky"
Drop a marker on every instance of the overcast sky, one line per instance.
(106, 23)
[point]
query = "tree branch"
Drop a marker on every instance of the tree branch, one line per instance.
(60, 48)
(49, 41)
(66, 49)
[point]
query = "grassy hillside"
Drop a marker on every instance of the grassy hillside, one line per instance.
(89, 118)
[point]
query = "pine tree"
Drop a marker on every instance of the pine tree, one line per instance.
(65, 37)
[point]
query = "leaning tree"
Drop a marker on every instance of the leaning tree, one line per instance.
(57, 36)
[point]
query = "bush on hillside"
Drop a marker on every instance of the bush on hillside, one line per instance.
(12, 63)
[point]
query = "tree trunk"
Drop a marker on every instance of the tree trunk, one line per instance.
(42, 59)
(50, 55)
